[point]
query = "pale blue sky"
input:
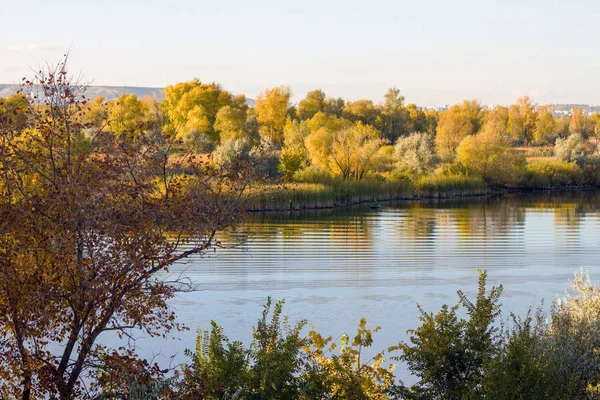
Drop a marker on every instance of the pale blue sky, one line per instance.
(435, 51)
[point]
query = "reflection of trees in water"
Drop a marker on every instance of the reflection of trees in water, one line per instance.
(483, 218)
(569, 216)
(417, 222)
(490, 219)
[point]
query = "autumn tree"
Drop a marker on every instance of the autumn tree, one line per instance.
(490, 157)
(521, 119)
(13, 111)
(496, 122)
(545, 126)
(334, 106)
(395, 118)
(346, 149)
(361, 110)
(294, 155)
(313, 103)
(271, 113)
(127, 116)
(579, 123)
(193, 106)
(95, 113)
(319, 141)
(456, 123)
(596, 126)
(418, 120)
(230, 123)
(83, 236)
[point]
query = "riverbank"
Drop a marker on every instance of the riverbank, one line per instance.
(299, 196)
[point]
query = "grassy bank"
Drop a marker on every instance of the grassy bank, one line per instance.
(303, 196)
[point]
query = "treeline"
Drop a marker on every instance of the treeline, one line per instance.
(464, 351)
(323, 139)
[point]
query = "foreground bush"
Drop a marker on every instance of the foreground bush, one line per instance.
(461, 352)
(282, 364)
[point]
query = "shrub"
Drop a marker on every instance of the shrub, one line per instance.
(198, 142)
(219, 368)
(523, 367)
(282, 364)
(548, 173)
(574, 337)
(346, 375)
(276, 356)
(448, 353)
(291, 161)
(571, 149)
(416, 152)
(232, 151)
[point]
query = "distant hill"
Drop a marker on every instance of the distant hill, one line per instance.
(108, 92)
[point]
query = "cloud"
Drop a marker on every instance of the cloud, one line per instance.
(20, 48)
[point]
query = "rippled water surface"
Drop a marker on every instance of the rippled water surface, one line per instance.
(334, 267)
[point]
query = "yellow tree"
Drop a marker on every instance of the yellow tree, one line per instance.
(347, 151)
(127, 116)
(496, 122)
(490, 156)
(545, 126)
(13, 111)
(95, 112)
(319, 141)
(271, 112)
(579, 123)
(596, 126)
(192, 107)
(361, 110)
(230, 123)
(521, 121)
(312, 104)
(418, 121)
(458, 122)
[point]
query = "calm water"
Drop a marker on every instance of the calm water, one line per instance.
(335, 267)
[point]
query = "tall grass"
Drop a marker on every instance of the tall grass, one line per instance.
(299, 196)
(450, 185)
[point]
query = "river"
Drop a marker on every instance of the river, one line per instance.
(335, 266)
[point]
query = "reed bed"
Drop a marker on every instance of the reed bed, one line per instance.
(303, 196)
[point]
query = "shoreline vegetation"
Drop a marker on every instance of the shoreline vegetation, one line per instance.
(327, 152)
(298, 197)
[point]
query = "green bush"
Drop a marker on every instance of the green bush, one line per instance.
(523, 367)
(448, 353)
(549, 173)
(282, 364)
(460, 352)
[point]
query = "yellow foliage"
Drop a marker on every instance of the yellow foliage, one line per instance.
(489, 156)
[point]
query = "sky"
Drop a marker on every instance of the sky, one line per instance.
(435, 51)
